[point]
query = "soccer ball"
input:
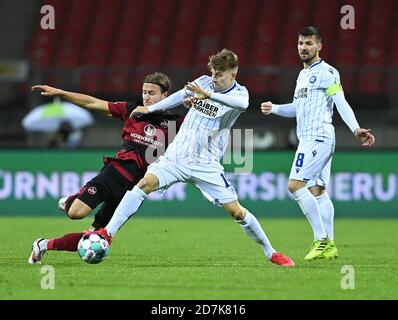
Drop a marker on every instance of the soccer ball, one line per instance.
(93, 248)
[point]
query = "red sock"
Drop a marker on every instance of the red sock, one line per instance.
(66, 243)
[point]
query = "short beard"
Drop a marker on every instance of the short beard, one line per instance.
(306, 60)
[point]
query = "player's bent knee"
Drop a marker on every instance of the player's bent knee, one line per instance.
(239, 214)
(235, 210)
(294, 185)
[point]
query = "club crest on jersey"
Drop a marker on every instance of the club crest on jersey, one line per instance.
(92, 190)
(314, 152)
(149, 130)
(312, 79)
(164, 123)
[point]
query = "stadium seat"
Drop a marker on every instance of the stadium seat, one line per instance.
(71, 44)
(157, 32)
(117, 82)
(369, 82)
(239, 38)
(45, 41)
(91, 80)
(256, 83)
(298, 17)
(210, 33)
(182, 43)
(127, 31)
(99, 41)
(349, 48)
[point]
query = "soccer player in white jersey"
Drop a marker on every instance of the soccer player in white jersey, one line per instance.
(318, 88)
(195, 153)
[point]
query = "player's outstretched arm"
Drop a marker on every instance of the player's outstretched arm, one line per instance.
(284, 110)
(348, 116)
(367, 139)
(240, 102)
(82, 100)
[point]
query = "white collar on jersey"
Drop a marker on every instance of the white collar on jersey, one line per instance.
(316, 63)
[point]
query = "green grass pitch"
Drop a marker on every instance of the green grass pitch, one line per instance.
(193, 258)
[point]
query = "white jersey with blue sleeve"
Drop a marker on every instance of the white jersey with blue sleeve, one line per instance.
(315, 88)
(204, 134)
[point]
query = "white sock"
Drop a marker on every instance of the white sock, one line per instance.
(327, 213)
(130, 203)
(253, 229)
(43, 244)
(309, 206)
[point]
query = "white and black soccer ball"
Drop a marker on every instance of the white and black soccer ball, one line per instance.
(93, 248)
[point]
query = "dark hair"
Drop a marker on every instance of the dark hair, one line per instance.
(223, 60)
(159, 79)
(310, 31)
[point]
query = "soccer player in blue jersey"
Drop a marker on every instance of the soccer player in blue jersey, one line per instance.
(194, 155)
(318, 89)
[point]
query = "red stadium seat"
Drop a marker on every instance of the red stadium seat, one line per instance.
(90, 81)
(128, 30)
(157, 32)
(117, 82)
(45, 42)
(99, 42)
(71, 43)
(209, 39)
(239, 36)
(298, 18)
(182, 43)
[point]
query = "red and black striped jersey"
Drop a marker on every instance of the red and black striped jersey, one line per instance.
(144, 138)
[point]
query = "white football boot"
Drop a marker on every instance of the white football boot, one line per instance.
(37, 252)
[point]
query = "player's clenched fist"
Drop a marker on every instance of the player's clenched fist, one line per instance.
(367, 139)
(266, 107)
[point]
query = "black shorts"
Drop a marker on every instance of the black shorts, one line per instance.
(109, 186)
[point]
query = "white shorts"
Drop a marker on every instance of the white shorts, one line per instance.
(312, 163)
(210, 178)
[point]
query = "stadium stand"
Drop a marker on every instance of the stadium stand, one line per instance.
(105, 47)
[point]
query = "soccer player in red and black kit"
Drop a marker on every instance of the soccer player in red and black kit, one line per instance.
(144, 139)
